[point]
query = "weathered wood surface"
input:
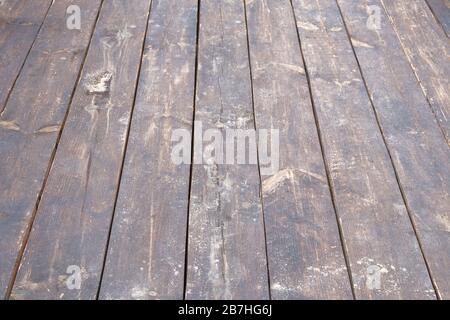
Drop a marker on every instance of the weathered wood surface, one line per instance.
(441, 10)
(147, 247)
(88, 181)
(418, 150)
(428, 50)
(31, 121)
(304, 249)
(378, 235)
(226, 245)
(20, 22)
(72, 223)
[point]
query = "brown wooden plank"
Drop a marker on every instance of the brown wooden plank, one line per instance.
(428, 50)
(78, 202)
(31, 121)
(147, 247)
(378, 235)
(413, 137)
(441, 10)
(226, 245)
(304, 249)
(20, 22)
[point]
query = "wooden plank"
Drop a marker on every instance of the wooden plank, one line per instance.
(78, 202)
(20, 22)
(147, 247)
(31, 121)
(441, 10)
(384, 255)
(428, 51)
(415, 142)
(304, 250)
(226, 245)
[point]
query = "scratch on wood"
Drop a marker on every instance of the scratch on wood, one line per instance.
(361, 44)
(336, 29)
(49, 129)
(274, 182)
(292, 67)
(307, 26)
(9, 125)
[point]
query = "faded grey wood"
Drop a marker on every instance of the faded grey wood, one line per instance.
(74, 216)
(441, 10)
(20, 22)
(378, 235)
(304, 250)
(147, 247)
(428, 50)
(414, 139)
(31, 121)
(226, 245)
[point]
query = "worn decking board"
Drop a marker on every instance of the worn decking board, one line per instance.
(87, 149)
(441, 10)
(302, 233)
(377, 232)
(418, 150)
(20, 22)
(428, 50)
(147, 247)
(73, 220)
(226, 245)
(31, 121)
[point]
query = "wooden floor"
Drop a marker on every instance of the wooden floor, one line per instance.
(92, 207)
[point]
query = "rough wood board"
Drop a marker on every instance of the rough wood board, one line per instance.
(147, 248)
(72, 223)
(418, 149)
(441, 10)
(226, 256)
(31, 121)
(379, 238)
(428, 50)
(305, 254)
(20, 22)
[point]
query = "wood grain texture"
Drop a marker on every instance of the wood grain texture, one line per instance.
(147, 247)
(226, 256)
(20, 22)
(379, 238)
(417, 147)
(441, 10)
(428, 50)
(31, 121)
(74, 216)
(302, 232)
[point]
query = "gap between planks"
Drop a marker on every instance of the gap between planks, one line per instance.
(194, 104)
(24, 60)
(257, 152)
(124, 153)
(387, 148)
(327, 169)
(52, 158)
